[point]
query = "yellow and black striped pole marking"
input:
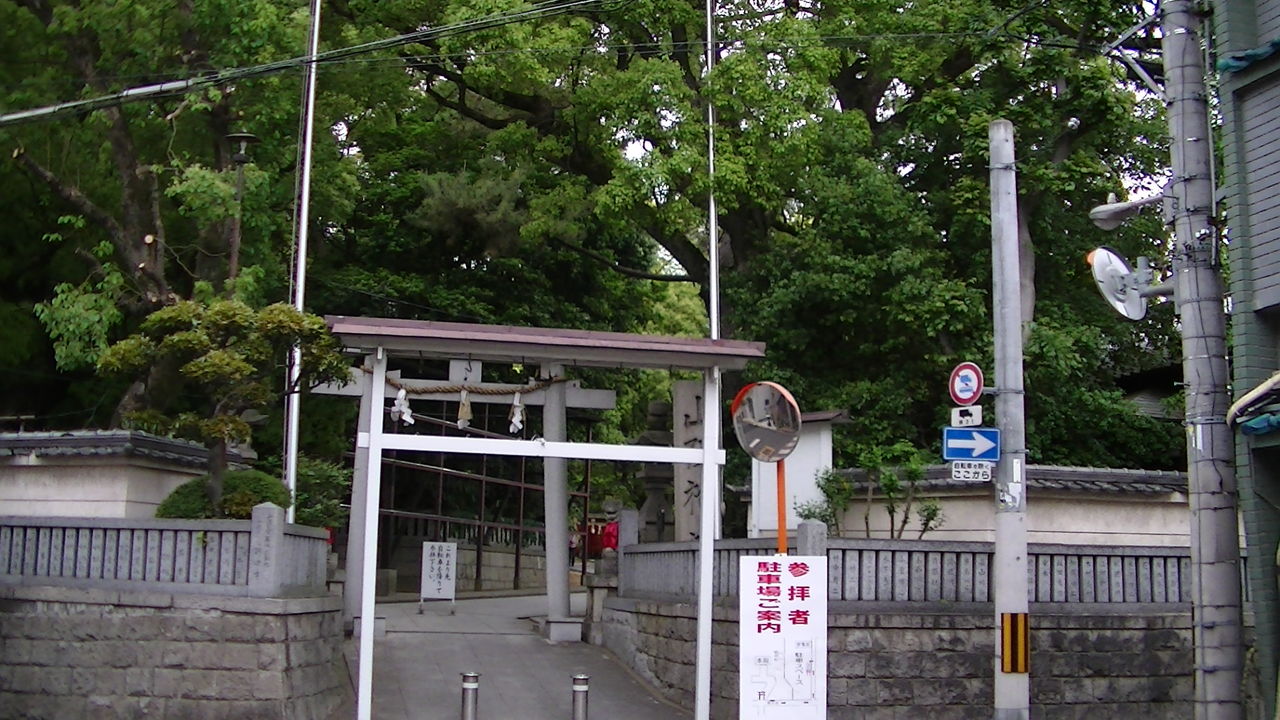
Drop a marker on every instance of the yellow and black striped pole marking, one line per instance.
(1015, 642)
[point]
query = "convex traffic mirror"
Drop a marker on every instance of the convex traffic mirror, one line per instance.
(766, 420)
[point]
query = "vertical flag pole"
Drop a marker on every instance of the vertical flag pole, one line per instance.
(293, 398)
(709, 511)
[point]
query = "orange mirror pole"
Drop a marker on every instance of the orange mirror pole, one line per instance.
(782, 506)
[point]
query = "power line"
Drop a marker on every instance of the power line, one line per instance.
(779, 42)
(770, 44)
(354, 54)
(775, 42)
(222, 77)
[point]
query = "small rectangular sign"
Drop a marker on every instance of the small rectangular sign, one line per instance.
(971, 444)
(970, 416)
(782, 623)
(972, 470)
(439, 571)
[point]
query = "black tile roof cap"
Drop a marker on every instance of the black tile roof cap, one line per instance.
(97, 443)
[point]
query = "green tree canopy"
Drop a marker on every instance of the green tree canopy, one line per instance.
(215, 361)
(554, 172)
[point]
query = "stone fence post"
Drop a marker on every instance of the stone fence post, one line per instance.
(607, 577)
(628, 534)
(811, 538)
(266, 551)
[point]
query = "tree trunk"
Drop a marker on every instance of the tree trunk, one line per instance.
(134, 399)
(906, 510)
(866, 515)
(1027, 267)
(217, 470)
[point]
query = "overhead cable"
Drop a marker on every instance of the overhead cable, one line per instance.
(223, 77)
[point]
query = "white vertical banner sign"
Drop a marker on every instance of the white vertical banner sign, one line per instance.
(439, 571)
(782, 649)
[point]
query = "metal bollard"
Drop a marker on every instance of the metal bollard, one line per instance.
(580, 696)
(470, 694)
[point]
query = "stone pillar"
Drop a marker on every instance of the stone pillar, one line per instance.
(628, 535)
(266, 551)
(811, 538)
(686, 398)
(655, 513)
(628, 528)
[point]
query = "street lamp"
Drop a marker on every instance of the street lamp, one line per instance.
(1114, 214)
(1125, 288)
(240, 156)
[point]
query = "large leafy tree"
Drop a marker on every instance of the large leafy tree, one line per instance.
(1082, 127)
(135, 203)
(851, 184)
(543, 172)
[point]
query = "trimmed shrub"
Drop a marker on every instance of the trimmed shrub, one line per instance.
(241, 490)
(322, 489)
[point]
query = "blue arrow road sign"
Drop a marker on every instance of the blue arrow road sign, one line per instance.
(970, 444)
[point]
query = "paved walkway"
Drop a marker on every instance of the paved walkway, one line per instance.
(417, 666)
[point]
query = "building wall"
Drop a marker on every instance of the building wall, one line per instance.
(1074, 519)
(70, 653)
(1249, 103)
(74, 486)
(1090, 506)
(1259, 167)
(936, 665)
(811, 457)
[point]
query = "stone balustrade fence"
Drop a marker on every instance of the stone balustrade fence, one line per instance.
(262, 557)
(927, 571)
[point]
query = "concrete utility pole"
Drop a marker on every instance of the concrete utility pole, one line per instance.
(1012, 681)
(1215, 545)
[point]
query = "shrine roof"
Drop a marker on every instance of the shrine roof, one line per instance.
(505, 343)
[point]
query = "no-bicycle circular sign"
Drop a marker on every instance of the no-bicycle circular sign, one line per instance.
(965, 384)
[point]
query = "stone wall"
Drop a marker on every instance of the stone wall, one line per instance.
(890, 664)
(70, 653)
(499, 569)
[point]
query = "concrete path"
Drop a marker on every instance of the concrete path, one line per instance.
(417, 666)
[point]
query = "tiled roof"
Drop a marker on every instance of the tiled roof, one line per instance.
(1053, 477)
(103, 443)
(839, 417)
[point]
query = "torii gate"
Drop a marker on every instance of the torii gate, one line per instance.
(462, 374)
(552, 349)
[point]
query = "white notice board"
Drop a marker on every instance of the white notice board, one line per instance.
(782, 621)
(439, 571)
